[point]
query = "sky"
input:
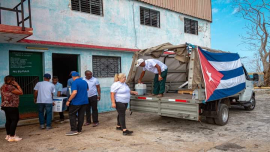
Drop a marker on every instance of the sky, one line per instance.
(226, 29)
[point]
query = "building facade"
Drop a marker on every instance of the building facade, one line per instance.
(98, 35)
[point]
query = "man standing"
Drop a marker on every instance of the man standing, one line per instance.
(159, 69)
(69, 83)
(58, 89)
(43, 96)
(77, 103)
(93, 98)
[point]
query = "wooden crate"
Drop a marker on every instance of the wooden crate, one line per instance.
(185, 91)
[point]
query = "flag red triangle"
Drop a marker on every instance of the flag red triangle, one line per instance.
(211, 76)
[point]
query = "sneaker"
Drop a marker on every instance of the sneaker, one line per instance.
(72, 133)
(95, 124)
(127, 132)
(86, 124)
(48, 127)
(7, 137)
(79, 133)
(42, 127)
(15, 138)
(119, 128)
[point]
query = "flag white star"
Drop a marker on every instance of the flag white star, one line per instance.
(209, 75)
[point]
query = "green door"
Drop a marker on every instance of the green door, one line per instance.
(26, 67)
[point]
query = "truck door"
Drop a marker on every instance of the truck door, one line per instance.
(247, 94)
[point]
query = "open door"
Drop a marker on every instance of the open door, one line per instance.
(63, 64)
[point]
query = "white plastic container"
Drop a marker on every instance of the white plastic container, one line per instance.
(140, 88)
(60, 104)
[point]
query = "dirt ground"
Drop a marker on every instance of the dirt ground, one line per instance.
(246, 131)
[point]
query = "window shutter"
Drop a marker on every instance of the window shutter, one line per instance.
(85, 6)
(149, 17)
(142, 16)
(88, 6)
(154, 18)
(75, 5)
(190, 26)
(96, 7)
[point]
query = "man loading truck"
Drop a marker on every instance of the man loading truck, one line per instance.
(159, 69)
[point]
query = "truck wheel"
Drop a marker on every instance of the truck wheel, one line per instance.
(252, 105)
(210, 120)
(223, 115)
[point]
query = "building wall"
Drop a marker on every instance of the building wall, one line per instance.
(85, 59)
(53, 20)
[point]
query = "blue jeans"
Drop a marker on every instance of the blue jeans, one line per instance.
(48, 108)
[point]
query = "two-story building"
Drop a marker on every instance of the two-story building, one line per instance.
(59, 36)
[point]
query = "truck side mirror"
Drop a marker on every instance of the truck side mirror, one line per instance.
(255, 77)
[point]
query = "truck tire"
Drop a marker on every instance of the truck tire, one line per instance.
(210, 120)
(252, 105)
(223, 115)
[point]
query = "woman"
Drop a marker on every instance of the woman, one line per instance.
(120, 96)
(10, 92)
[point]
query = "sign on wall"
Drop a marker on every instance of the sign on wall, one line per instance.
(24, 63)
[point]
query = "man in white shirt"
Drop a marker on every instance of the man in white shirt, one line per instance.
(159, 69)
(93, 98)
(43, 96)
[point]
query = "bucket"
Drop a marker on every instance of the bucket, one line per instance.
(140, 88)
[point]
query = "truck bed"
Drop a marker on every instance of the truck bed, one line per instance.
(171, 105)
(171, 96)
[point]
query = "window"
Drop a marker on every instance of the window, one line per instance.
(88, 6)
(149, 17)
(106, 66)
(191, 26)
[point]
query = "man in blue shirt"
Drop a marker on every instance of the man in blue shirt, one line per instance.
(58, 89)
(69, 83)
(77, 103)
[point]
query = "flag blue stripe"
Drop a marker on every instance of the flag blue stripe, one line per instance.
(222, 93)
(220, 57)
(232, 73)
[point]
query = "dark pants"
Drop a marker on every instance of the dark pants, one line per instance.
(48, 108)
(121, 118)
(12, 118)
(159, 86)
(62, 117)
(73, 110)
(92, 106)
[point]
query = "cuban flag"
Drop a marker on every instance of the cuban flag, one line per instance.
(223, 74)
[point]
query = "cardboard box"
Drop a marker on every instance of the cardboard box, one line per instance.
(60, 104)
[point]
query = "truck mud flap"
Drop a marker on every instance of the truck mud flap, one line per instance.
(179, 109)
(144, 104)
